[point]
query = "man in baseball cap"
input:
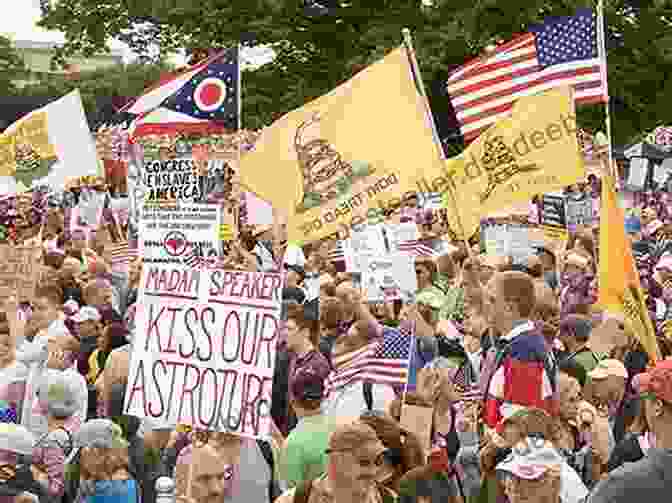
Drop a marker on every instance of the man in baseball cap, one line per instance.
(650, 478)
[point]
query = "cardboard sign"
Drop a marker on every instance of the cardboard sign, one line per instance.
(418, 420)
(174, 235)
(204, 349)
(19, 272)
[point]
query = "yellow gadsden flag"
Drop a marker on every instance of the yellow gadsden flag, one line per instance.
(348, 155)
(533, 151)
(620, 289)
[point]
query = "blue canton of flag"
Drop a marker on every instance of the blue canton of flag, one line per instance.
(211, 94)
(567, 39)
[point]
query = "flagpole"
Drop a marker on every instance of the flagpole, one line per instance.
(602, 54)
(239, 130)
(408, 43)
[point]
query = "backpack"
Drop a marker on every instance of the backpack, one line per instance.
(302, 494)
(274, 491)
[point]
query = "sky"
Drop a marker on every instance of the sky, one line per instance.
(19, 24)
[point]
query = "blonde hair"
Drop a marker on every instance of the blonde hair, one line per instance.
(99, 463)
(543, 490)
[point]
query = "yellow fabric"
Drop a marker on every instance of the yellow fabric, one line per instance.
(531, 152)
(29, 130)
(94, 369)
(620, 290)
(376, 120)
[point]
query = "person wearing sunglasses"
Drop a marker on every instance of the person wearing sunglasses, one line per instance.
(355, 459)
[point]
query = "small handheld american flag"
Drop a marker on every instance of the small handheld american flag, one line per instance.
(384, 361)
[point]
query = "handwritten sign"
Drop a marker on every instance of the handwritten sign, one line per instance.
(204, 349)
(18, 272)
(553, 210)
(370, 240)
(172, 180)
(388, 277)
(175, 234)
(578, 211)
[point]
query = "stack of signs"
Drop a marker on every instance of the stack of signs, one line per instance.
(578, 210)
(388, 277)
(553, 210)
(204, 349)
(179, 234)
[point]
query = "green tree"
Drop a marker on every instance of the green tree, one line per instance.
(11, 67)
(320, 44)
(102, 90)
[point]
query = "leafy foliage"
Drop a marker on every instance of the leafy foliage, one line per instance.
(11, 67)
(103, 91)
(320, 44)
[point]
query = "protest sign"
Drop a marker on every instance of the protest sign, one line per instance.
(207, 364)
(370, 240)
(388, 277)
(19, 272)
(553, 210)
(171, 180)
(175, 234)
(520, 241)
(400, 233)
(578, 211)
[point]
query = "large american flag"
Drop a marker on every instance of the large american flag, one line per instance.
(561, 51)
(384, 361)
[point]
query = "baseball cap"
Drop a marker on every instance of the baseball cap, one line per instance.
(657, 382)
(530, 459)
(87, 313)
(607, 368)
(307, 384)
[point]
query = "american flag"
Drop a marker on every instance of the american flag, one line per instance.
(384, 361)
(121, 255)
(203, 99)
(561, 51)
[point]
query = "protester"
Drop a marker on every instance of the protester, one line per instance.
(647, 479)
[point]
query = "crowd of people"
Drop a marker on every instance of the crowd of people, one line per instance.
(519, 406)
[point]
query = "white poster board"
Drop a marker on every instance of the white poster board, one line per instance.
(174, 234)
(204, 349)
(388, 277)
(370, 240)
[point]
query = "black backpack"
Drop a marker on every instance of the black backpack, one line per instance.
(274, 491)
